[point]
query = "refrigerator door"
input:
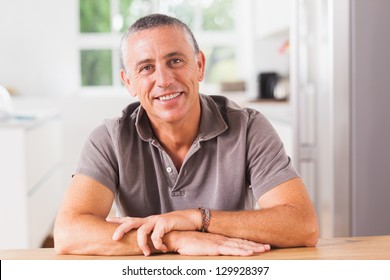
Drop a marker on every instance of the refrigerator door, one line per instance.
(340, 67)
(319, 93)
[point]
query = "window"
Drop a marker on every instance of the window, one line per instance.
(103, 22)
(96, 68)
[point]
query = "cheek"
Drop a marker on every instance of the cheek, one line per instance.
(194, 73)
(142, 87)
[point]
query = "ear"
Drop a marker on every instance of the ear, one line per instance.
(201, 65)
(127, 82)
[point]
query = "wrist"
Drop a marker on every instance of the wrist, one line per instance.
(195, 216)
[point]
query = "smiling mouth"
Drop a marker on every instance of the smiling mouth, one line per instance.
(169, 96)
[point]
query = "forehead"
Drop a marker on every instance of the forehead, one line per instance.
(156, 41)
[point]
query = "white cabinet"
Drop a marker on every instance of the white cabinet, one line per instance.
(31, 179)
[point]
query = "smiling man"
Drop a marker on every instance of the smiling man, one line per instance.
(185, 170)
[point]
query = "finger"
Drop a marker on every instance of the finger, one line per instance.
(118, 220)
(233, 251)
(157, 235)
(142, 237)
(257, 247)
(248, 245)
(120, 231)
(267, 247)
(121, 220)
(257, 244)
(124, 228)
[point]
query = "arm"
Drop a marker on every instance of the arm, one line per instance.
(286, 219)
(81, 228)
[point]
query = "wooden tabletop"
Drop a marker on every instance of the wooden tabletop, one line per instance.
(349, 248)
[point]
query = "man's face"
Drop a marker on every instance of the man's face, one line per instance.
(163, 71)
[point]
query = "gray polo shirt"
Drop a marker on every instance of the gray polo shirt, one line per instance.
(236, 157)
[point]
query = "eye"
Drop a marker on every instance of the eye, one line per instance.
(146, 69)
(176, 62)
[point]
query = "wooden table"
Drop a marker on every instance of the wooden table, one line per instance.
(348, 248)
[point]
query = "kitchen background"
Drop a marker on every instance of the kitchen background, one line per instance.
(318, 69)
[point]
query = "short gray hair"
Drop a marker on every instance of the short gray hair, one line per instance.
(156, 21)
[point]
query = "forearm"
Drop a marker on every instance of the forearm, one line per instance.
(91, 235)
(279, 226)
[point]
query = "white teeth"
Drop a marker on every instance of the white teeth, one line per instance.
(169, 97)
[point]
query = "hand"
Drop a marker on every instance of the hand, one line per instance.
(199, 243)
(158, 226)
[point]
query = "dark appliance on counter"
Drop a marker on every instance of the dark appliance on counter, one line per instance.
(271, 85)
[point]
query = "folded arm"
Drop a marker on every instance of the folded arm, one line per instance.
(286, 219)
(81, 228)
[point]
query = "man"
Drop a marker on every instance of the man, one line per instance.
(183, 168)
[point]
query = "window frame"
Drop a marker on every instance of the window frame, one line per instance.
(111, 40)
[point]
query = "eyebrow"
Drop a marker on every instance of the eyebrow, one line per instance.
(143, 61)
(172, 54)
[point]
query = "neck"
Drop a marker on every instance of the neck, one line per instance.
(177, 138)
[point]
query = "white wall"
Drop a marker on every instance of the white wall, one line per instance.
(272, 20)
(272, 16)
(38, 46)
(39, 59)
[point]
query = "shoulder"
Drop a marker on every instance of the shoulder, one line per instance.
(221, 102)
(112, 128)
(125, 121)
(230, 110)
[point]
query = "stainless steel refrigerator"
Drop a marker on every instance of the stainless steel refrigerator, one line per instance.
(340, 78)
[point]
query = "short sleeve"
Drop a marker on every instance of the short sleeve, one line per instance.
(267, 161)
(98, 158)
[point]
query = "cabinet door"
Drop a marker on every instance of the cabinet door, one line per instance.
(31, 183)
(42, 207)
(43, 178)
(13, 199)
(43, 151)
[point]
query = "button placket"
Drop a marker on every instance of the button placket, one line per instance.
(170, 171)
(173, 175)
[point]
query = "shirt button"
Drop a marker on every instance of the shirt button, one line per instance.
(169, 169)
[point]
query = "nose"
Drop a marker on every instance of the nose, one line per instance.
(164, 77)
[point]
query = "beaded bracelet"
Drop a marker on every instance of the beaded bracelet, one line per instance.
(205, 219)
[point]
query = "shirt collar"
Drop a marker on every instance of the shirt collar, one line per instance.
(212, 122)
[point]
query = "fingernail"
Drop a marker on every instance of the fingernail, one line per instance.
(115, 236)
